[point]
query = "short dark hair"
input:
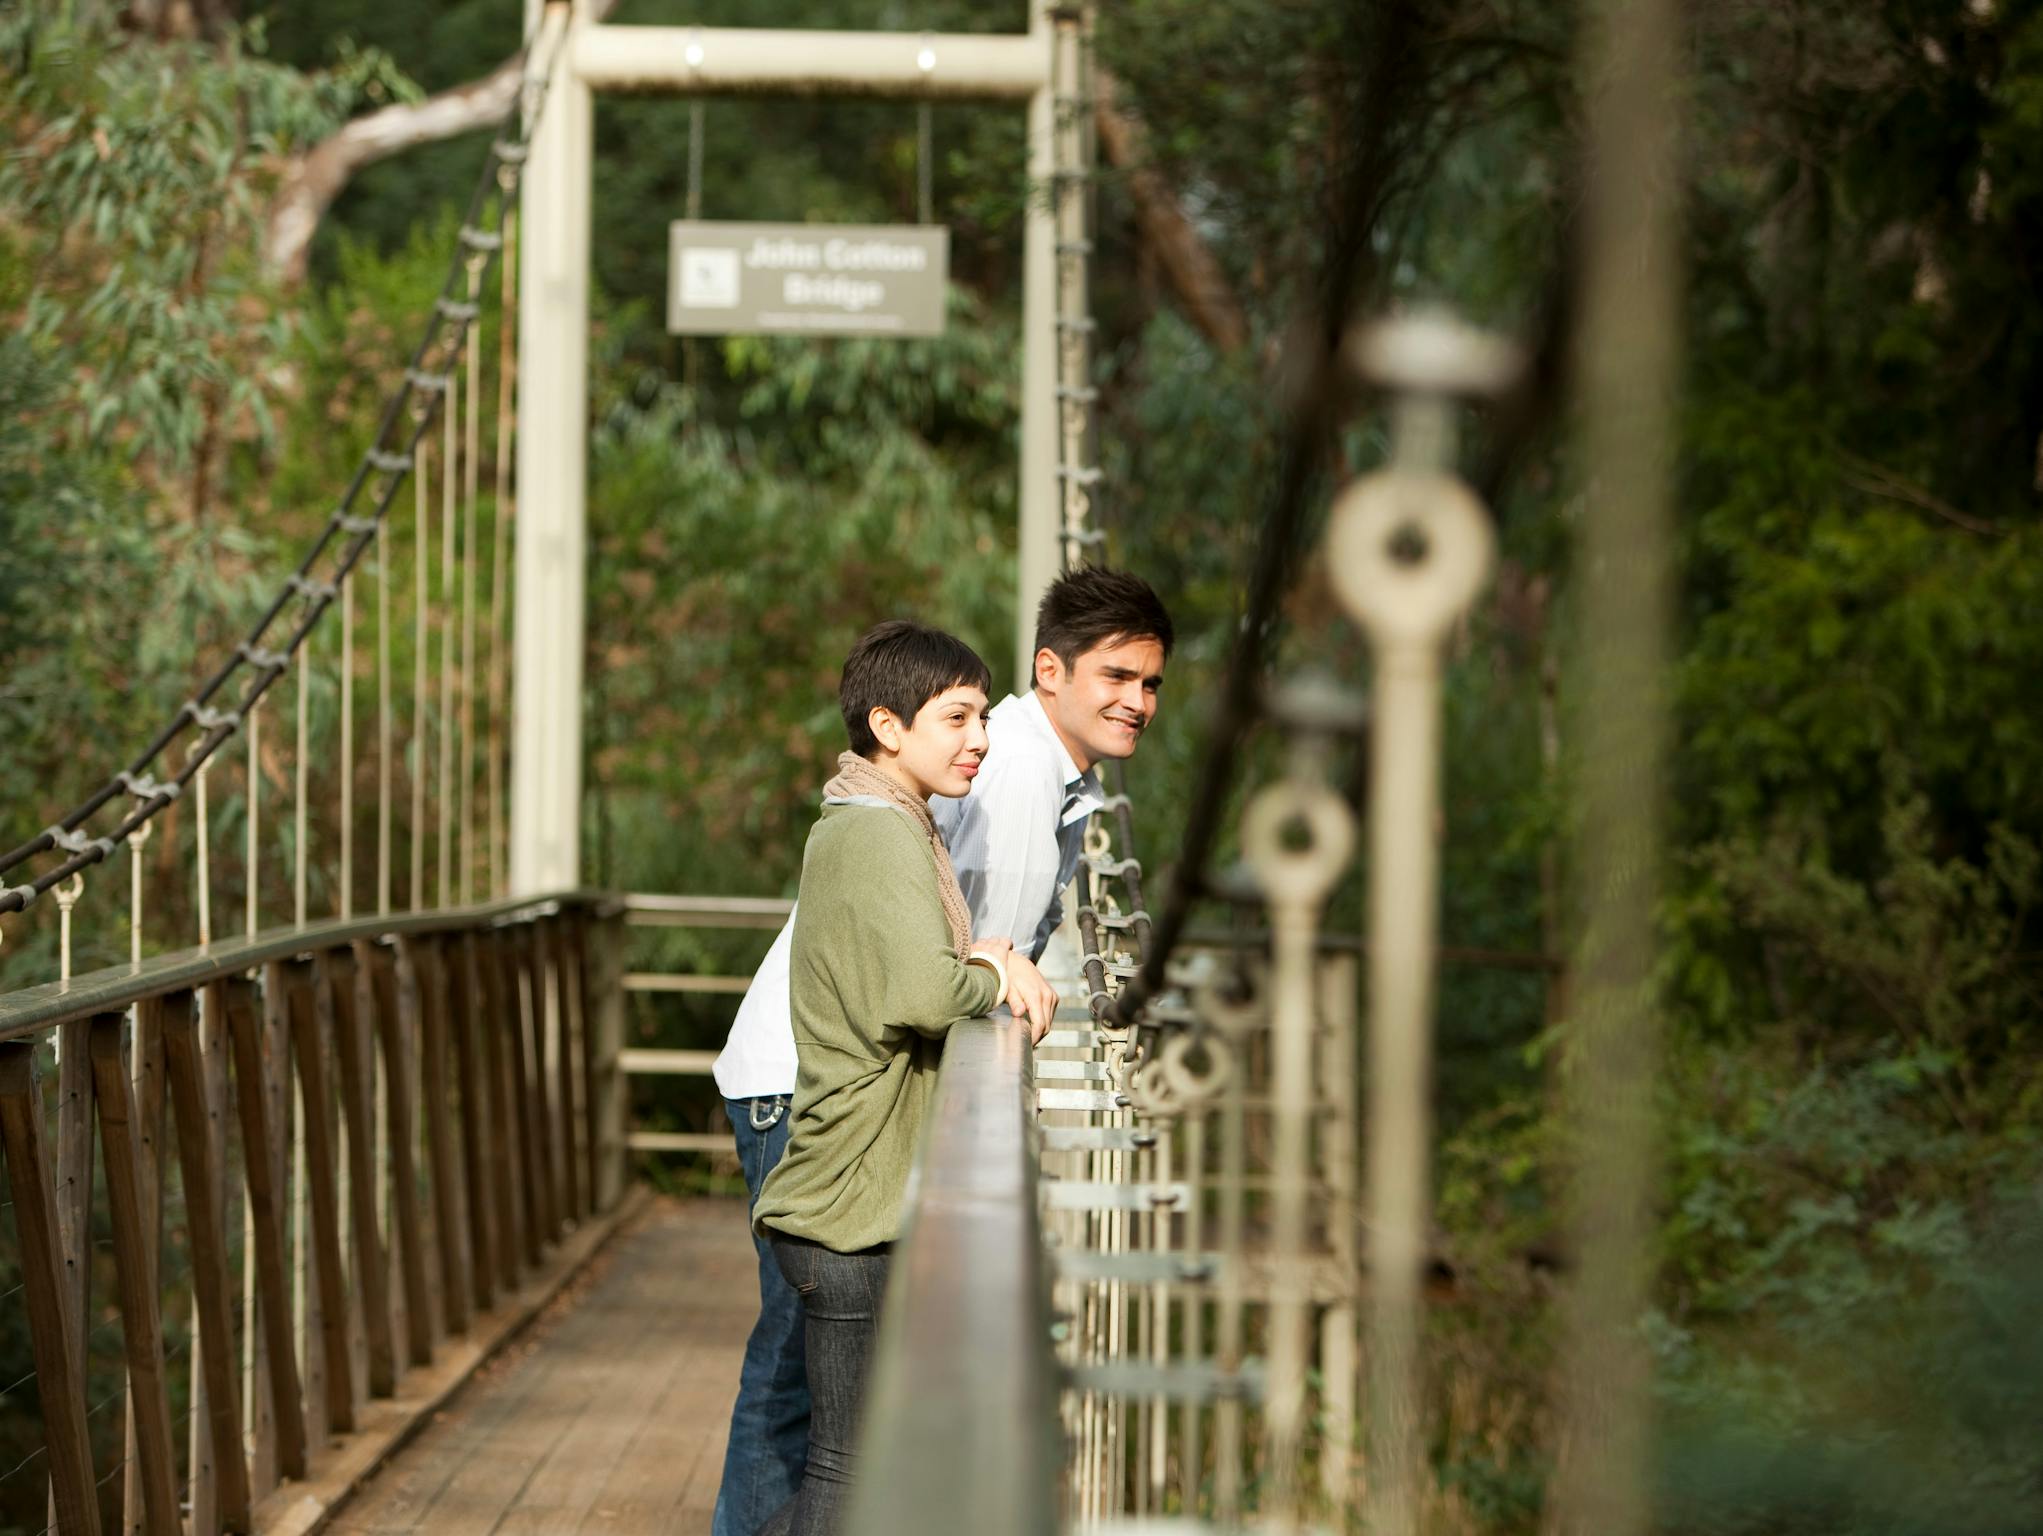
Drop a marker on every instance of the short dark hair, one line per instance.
(900, 666)
(1087, 607)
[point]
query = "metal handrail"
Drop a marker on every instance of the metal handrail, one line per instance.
(961, 1430)
(33, 1010)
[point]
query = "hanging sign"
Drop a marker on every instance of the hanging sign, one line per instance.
(806, 279)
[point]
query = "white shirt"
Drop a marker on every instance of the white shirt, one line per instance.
(1015, 840)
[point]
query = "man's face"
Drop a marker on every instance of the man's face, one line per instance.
(1103, 702)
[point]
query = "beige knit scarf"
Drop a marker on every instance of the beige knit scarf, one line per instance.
(856, 777)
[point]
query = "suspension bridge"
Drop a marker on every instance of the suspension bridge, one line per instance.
(325, 1219)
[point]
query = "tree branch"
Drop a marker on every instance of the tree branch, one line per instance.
(1188, 264)
(314, 179)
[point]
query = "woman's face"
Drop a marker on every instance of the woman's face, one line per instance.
(940, 750)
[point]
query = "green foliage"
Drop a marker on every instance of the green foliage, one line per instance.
(139, 179)
(736, 563)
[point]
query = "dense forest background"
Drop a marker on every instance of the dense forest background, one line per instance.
(1847, 1331)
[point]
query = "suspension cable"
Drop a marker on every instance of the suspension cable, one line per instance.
(471, 486)
(385, 462)
(383, 764)
(421, 560)
(450, 741)
(347, 748)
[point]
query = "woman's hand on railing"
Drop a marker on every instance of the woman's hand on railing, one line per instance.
(1032, 999)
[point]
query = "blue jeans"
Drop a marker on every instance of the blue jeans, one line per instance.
(841, 1295)
(769, 1442)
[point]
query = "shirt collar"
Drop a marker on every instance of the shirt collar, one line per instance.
(1082, 792)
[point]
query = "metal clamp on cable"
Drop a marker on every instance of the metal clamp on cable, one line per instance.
(1083, 475)
(1110, 868)
(480, 239)
(318, 591)
(27, 893)
(269, 661)
(427, 383)
(76, 842)
(209, 719)
(143, 787)
(389, 463)
(455, 309)
(509, 153)
(355, 525)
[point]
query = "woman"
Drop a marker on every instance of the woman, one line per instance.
(882, 965)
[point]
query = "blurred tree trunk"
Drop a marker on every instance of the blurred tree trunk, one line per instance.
(166, 19)
(1187, 263)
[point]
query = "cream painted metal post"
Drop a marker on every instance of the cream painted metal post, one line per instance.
(1409, 547)
(553, 401)
(546, 725)
(1036, 511)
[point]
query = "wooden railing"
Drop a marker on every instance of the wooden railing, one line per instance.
(763, 913)
(392, 1138)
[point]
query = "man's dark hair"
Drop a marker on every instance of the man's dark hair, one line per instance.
(1086, 608)
(901, 666)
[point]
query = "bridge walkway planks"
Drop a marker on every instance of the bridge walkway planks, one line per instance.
(608, 1415)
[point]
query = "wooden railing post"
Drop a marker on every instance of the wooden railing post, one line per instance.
(498, 956)
(610, 1105)
(554, 967)
(428, 959)
(74, 1177)
(486, 991)
(457, 999)
(524, 981)
(381, 962)
(60, 1380)
(575, 945)
(372, 1263)
(135, 1275)
(206, 1222)
(146, 1075)
(259, 1146)
(308, 1049)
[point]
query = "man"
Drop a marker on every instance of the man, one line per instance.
(1102, 638)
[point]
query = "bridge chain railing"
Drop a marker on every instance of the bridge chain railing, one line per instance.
(429, 1100)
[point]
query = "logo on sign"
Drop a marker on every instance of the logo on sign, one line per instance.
(709, 278)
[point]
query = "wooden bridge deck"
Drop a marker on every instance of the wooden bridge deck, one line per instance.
(608, 1415)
